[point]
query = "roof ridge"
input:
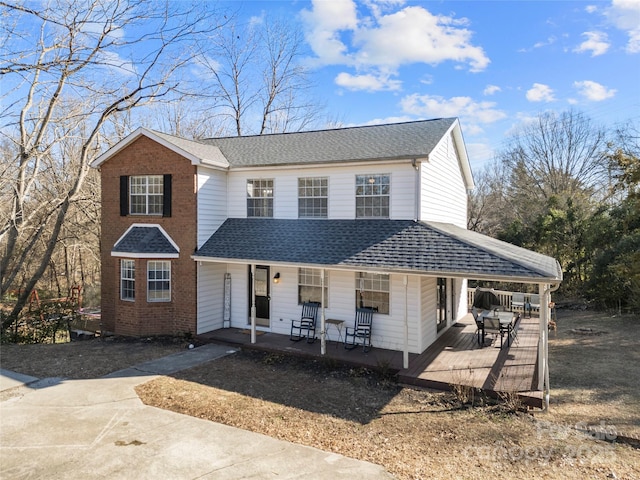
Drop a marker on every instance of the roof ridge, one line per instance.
(324, 130)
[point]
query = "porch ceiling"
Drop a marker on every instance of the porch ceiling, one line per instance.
(393, 246)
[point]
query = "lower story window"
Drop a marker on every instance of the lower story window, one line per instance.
(127, 280)
(159, 281)
(310, 286)
(372, 291)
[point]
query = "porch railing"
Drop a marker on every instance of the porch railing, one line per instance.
(505, 298)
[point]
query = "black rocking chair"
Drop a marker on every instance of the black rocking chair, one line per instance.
(361, 331)
(306, 326)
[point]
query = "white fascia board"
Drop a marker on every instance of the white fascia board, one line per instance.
(145, 255)
(217, 161)
(462, 154)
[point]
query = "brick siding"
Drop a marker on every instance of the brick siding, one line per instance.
(140, 318)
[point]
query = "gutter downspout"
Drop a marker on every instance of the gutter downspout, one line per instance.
(414, 164)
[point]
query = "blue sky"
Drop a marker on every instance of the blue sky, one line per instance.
(494, 64)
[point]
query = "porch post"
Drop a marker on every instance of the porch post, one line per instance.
(544, 331)
(323, 330)
(405, 353)
(253, 303)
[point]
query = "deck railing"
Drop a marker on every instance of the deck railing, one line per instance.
(505, 298)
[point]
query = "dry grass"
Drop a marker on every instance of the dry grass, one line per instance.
(413, 433)
(87, 358)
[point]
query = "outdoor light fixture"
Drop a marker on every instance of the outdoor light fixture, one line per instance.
(276, 278)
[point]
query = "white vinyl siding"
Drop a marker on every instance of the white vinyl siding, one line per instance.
(341, 189)
(443, 192)
(212, 202)
(210, 291)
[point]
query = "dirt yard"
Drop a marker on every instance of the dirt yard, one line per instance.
(414, 434)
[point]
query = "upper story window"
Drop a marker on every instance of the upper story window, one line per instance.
(372, 196)
(127, 279)
(145, 195)
(310, 286)
(312, 197)
(260, 198)
(372, 291)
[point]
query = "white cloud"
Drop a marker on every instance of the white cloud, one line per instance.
(593, 91)
(597, 43)
(366, 38)
(540, 93)
(324, 23)
(591, 9)
(625, 15)
(368, 82)
(491, 89)
(474, 113)
(426, 38)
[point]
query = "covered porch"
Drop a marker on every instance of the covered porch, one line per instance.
(455, 358)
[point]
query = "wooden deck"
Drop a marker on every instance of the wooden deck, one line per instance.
(454, 358)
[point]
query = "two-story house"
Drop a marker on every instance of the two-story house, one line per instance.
(372, 216)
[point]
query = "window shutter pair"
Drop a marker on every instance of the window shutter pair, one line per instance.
(124, 195)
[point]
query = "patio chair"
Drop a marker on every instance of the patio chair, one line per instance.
(479, 324)
(533, 303)
(360, 333)
(306, 326)
(517, 302)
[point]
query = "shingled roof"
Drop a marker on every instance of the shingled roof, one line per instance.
(394, 246)
(380, 142)
(148, 241)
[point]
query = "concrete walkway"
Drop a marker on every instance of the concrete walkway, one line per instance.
(99, 429)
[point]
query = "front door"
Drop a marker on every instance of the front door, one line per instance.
(261, 286)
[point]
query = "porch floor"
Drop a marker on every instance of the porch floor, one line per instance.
(454, 358)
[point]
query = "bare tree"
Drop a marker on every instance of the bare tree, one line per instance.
(86, 63)
(260, 84)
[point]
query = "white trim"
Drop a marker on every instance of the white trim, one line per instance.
(159, 300)
(150, 256)
(219, 162)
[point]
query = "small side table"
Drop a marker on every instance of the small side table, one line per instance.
(338, 326)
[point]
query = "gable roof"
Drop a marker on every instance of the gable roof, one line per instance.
(145, 241)
(407, 140)
(394, 141)
(394, 246)
(197, 152)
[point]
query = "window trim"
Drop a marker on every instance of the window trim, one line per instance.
(323, 184)
(132, 278)
(159, 280)
(313, 272)
(360, 283)
(266, 202)
(147, 195)
(373, 180)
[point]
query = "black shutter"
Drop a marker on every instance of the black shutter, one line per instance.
(166, 201)
(124, 196)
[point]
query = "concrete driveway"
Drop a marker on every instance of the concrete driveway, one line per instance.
(99, 429)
